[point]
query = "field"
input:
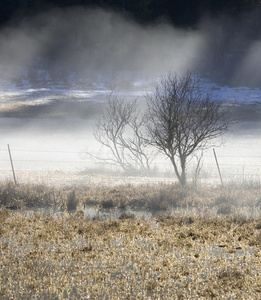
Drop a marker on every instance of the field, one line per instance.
(198, 243)
(75, 227)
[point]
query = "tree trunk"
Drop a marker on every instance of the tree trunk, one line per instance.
(181, 175)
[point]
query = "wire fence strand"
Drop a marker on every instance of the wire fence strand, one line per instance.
(63, 166)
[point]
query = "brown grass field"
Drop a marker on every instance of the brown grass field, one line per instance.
(200, 243)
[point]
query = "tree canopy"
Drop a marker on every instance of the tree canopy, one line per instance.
(184, 118)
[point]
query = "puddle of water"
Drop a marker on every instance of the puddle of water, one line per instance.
(95, 213)
(114, 213)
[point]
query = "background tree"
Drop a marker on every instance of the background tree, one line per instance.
(121, 129)
(183, 119)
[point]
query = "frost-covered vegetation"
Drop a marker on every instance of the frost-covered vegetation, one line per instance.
(200, 243)
(170, 257)
(161, 197)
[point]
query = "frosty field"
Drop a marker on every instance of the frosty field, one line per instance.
(198, 243)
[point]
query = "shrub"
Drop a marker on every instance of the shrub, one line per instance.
(225, 200)
(224, 209)
(125, 216)
(71, 200)
(108, 203)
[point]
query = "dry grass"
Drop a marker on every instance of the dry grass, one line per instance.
(232, 199)
(168, 257)
(202, 245)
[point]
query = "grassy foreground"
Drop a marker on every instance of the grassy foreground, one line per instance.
(63, 257)
(170, 256)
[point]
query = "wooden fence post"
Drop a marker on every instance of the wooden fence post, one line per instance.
(12, 163)
(220, 176)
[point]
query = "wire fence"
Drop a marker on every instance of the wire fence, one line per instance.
(75, 167)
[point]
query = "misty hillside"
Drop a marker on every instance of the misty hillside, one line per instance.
(181, 13)
(84, 46)
(59, 53)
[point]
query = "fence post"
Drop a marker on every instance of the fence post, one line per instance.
(12, 163)
(220, 176)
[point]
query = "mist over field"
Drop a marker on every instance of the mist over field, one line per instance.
(56, 69)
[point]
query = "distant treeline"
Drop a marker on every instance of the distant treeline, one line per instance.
(183, 13)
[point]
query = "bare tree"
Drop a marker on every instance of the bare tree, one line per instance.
(183, 119)
(121, 129)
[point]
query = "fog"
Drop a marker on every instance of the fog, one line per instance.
(56, 69)
(96, 41)
(77, 43)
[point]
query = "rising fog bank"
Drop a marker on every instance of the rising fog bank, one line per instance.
(69, 59)
(87, 42)
(76, 45)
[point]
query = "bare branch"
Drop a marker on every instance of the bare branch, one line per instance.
(184, 118)
(121, 129)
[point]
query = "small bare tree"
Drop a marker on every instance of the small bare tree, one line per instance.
(183, 119)
(121, 129)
